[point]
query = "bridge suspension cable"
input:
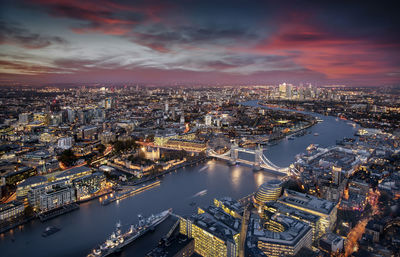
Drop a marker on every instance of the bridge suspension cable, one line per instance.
(262, 159)
(269, 163)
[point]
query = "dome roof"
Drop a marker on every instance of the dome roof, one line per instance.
(269, 191)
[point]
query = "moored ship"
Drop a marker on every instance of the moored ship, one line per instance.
(49, 231)
(118, 240)
(128, 193)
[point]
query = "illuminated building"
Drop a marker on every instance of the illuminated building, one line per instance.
(40, 116)
(108, 103)
(230, 206)
(215, 233)
(56, 197)
(71, 115)
(88, 132)
(14, 173)
(89, 184)
(11, 210)
(49, 166)
(47, 138)
(27, 184)
(312, 220)
(187, 145)
(282, 89)
(325, 209)
(36, 158)
(65, 143)
(280, 235)
(162, 139)
(208, 120)
(107, 137)
(150, 153)
(51, 195)
(331, 243)
(74, 173)
(269, 191)
(336, 175)
(23, 118)
(82, 148)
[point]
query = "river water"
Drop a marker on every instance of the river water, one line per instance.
(84, 229)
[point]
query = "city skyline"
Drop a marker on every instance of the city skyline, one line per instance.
(208, 171)
(165, 42)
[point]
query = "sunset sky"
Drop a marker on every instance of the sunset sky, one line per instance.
(163, 42)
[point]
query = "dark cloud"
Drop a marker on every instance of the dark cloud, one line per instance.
(13, 33)
(236, 40)
(73, 63)
(165, 37)
(28, 68)
(298, 37)
(101, 16)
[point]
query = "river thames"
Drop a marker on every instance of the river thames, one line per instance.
(84, 229)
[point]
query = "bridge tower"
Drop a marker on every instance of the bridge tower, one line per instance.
(234, 152)
(258, 157)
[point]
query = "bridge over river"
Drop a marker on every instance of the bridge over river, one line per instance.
(260, 160)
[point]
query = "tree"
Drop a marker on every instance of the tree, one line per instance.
(120, 146)
(28, 212)
(101, 148)
(68, 158)
(150, 138)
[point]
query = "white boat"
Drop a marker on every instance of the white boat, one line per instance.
(118, 240)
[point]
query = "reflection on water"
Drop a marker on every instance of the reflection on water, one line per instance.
(236, 175)
(89, 226)
(211, 166)
(259, 178)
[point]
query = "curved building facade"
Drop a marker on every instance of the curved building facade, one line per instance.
(281, 235)
(269, 191)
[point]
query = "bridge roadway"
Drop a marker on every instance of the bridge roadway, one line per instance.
(263, 162)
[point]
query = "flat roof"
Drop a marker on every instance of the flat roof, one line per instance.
(282, 208)
(73, 171)
(331, 238)
(231, 203)
(38, 154)
(33, 180)
(215, 221)
(293, 233)
(307, 201)
(171, 250)
(9, 205)
(94, 174)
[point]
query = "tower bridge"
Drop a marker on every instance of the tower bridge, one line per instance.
(260, 160)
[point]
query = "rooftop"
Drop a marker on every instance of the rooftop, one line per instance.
(38, 154)
(307, 201)
(73, 171)
(294, 230)
(33, 180)
(51, 184)
(171, 250)
(94, 174)
(331, 238)
(282, 208)
(9, 205)
(215, 221)
(231, 204)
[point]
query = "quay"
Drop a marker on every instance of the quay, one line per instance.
(57, 212)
